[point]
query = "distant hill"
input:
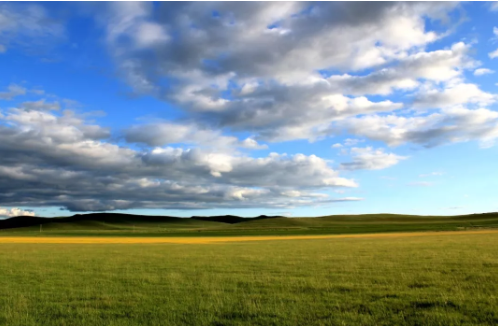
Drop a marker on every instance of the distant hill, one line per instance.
(21, 221)
(231, 219)
(115, 219)
(128, 224)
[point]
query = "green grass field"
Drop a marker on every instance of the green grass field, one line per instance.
(131, 225)
(430, 280)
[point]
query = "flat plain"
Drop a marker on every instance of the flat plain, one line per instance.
(382, 269)
(434, 278)
(221, 239)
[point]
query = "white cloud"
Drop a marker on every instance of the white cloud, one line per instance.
(12, 91)
(165, 133)
(438, 66)
(352, 142)
(456, 124)
(271, 72)
(28, 26)
(40, 105)
(452, 95)
(276, 93)
(3, 49)
(132, 19)
(241, 31)
(282, 120)
(348, 142)
(483, 71)
(493, 54)
(149, 34)
(368, 158)
(12, 212)
(74, 164)
(275, 169)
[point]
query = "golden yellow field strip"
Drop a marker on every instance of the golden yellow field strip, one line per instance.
(195, 240)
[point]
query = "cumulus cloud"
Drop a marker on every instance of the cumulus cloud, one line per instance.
(352, 141)
(41, 105)
(437, 66)
(264, 68)
(262, 39)
(29, 26)
(348, 142)
(483, 71)
(494, 54)
(451, 95)
(456, 124)
(267, 57)
(368, 158)
(280, 119)
(12, 91)
(165, 133)
(52, 158)
(275, 169)
(11, 212)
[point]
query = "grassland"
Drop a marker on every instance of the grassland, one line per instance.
(158, 226)
(434, 279)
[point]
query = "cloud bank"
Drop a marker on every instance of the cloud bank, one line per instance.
(243, 77)
(58, 159)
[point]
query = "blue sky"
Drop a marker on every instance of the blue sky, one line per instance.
(299, 109)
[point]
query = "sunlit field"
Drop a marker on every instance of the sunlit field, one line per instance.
(429, 279)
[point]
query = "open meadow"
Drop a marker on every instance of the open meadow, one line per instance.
(402, 279)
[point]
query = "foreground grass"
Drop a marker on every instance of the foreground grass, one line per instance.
(430, 280)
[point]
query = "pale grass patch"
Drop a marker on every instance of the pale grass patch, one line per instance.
(208, 240)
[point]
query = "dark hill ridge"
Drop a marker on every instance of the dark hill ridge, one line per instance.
(21, 221)
(231, 219)
(123, 222)
(115, 218)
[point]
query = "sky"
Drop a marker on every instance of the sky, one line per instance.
(248, 108)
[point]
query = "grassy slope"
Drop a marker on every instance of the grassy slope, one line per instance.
(131, 225)
(102, 223)
(432, 280)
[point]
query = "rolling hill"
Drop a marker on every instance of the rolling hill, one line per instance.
(127, 224)
(109, 221)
